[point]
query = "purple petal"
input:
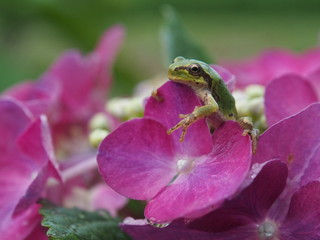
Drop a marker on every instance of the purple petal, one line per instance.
(140, 230)
(302, 221)
(215, 178)
(250, 206)
(286, 96)
(137, 159)
(175, 99)
(294, 141)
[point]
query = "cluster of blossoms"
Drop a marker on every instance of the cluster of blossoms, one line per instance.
(210, 186)
(45, 149)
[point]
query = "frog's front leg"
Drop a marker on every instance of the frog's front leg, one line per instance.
(247, 125)
(210, 107)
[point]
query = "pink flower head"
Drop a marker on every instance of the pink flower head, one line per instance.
(74, 88)
(178, 179)
(272, 64)
(282, 201)
(26, 163)
(85, 80)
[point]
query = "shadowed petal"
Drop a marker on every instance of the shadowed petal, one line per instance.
(214, 178)
(286, 96)
(295, 141)
(136, 159)
(174, 99)
(303, 219)
(250, 206)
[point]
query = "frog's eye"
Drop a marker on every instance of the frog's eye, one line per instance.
(194, 68)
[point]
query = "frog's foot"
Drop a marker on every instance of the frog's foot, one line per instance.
(187, 120)
(248, 129)
(254, 135)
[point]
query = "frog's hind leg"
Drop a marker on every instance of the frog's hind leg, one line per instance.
(247, 125)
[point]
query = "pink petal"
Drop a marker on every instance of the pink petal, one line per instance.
(36, 143)
(40, 97)
(286, 96)
(103, 197)
(302, 221)
(106, 52)
(22, 225)
(264, 68)
(310, 60)
(136, 159)
(75, 74)
(175, 99)
(314, 79)
(215, 178)
(14, 118)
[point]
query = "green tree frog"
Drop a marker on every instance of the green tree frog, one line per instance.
(213, 93)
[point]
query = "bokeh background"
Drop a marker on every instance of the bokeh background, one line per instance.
(34, 32)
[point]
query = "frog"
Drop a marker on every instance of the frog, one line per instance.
(213, 93)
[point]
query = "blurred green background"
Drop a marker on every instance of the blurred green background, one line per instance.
(34, 32)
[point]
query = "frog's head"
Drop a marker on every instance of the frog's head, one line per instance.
(193, 73)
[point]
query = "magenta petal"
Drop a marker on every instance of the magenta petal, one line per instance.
(294, 141)
(287, 95)
(136, 159)
(36, 143)
(175, 99)
(215, 178)
(250, 206)
(297, 139)
(302, 221)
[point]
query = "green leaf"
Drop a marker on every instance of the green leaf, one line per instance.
(177, 41)
(76, 224)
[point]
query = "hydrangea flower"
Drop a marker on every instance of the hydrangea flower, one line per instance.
(73, 89)
(178, 179)
(281, 202)
(26, 161)
(273, 64)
